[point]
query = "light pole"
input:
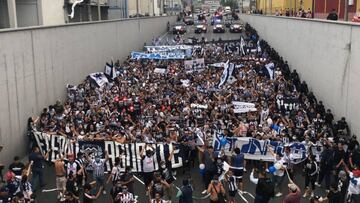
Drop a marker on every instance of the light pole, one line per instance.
(346, 11)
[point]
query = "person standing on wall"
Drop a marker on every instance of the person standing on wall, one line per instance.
(38, 166)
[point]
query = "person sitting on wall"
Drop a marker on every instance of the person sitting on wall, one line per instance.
(333, 15)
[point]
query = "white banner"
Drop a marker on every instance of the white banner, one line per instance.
(196, 65)
(99, 78)
(243, 107)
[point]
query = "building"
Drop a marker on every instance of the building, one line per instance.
(321, 8)
(146, 7)
(23, 13)
(118, 9)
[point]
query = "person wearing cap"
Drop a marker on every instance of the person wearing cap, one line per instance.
(294, 195)
(354, 185)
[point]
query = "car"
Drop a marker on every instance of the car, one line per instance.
(189, 21)
(179, 28)
(236, 28)
(200, 28)
(219, 28)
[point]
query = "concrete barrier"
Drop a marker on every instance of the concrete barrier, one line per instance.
(326, 55)
(36, 63)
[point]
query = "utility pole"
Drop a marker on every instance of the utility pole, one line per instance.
(99, 10)
(137, 8)
(346, 11)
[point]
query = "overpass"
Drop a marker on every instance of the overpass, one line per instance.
(37, 62)
(326, 55)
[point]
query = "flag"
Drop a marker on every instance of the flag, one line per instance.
(258, 46)
(242, 45)
(99, 78)
(110, 71)
(224, 75)
(270, 68)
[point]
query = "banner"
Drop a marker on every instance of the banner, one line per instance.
(167, 48)
(287, 103)
(258, 149)
(158, 55)
(196, 65)
(243, 107)
(129, 153)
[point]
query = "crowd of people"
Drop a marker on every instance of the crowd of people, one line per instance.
(145, 107)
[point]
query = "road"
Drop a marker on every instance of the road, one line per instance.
(45, 197)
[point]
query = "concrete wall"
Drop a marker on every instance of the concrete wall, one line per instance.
(37, 63)
(326, 55)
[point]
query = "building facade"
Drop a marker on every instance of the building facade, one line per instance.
(24, 13)
(321, 8)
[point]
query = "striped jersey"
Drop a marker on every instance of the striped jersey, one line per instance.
(98, 168)
(232, 183)
(125, 197)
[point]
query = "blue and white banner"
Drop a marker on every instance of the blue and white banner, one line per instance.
(258, 46)
(254, 149)
(167, 48)
(158, 55)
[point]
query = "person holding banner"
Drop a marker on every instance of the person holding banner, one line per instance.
(147, 157)
(210, 166)
(238, 166)
(279, 174)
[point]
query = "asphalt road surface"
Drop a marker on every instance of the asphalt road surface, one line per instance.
(45, 197)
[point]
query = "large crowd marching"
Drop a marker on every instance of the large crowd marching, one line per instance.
(146, 107)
